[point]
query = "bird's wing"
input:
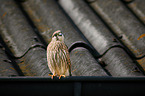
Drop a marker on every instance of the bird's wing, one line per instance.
(65, 49)
(67, 54)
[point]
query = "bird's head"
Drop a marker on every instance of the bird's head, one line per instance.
(58, 36)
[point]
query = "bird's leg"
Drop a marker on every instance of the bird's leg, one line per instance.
(61, 76)
(51, 75)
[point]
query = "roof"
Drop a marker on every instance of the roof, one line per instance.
(105, 37)
(110, 29)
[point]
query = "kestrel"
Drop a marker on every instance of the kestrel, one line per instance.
(58, 56)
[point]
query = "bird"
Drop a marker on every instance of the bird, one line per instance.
(58, 56)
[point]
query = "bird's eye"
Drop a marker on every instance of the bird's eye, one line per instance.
(60, 34)
(54, 35)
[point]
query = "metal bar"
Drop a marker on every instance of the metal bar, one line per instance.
(77, 89)
(72, 78)
(91, 85)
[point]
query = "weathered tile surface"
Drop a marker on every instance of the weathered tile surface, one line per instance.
(114, 32)
(123, 23)
(20, 37)
(100, 37)
(6, 66)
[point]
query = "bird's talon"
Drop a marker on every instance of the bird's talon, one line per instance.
(51, 76)
(61, 76)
